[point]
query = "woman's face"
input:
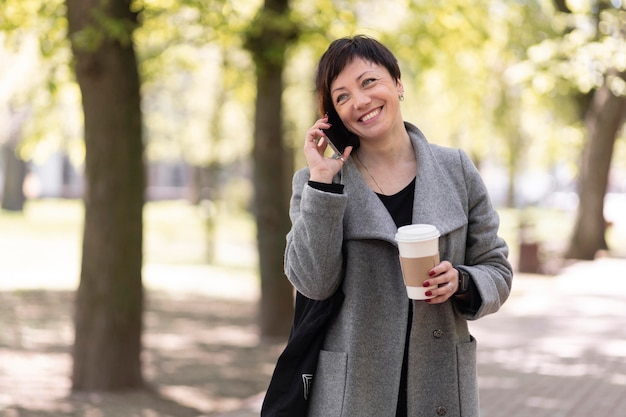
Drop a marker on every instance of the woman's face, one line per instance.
(366, 98)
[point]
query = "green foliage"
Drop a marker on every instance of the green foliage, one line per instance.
(592, 43)
(268, 36)
(494, 77)
(35, 74)
(456, 56)
(104, 28)
(321, 21)
(561, 71)
(197, 82)
(30, 18)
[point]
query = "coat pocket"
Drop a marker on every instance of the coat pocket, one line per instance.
(328, 385)
(468, 378)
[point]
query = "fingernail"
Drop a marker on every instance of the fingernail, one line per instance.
(427, 300)
(431, 274)
(428, 293)
(426, 284)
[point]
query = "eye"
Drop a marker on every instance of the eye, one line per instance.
(369, 81)
(340, 98)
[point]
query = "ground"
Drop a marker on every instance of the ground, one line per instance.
(202, 352)
(555, 349)
(202, 356)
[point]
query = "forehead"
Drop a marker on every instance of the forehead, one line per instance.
(355, 69)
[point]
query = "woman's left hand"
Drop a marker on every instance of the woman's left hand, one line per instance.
(447, 280)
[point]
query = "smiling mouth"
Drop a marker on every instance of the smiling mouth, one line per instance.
(371, 115)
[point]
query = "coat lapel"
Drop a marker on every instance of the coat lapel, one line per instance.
(366, 216)
(435, 202)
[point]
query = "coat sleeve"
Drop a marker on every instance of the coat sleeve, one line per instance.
(486, 252)
(313, 254)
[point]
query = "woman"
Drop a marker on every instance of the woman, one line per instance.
(386, 355)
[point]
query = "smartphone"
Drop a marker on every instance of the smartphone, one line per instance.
(338, 136)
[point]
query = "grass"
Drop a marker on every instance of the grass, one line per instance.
(180, 233)
(551, 228)
(41, 246)
(174, 231)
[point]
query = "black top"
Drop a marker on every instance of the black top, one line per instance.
(400, 205)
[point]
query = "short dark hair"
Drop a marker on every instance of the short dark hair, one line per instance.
(342, 52)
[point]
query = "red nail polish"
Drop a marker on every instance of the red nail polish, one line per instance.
(426, 284)
(428, 293)
(427, 300)
(431, 274)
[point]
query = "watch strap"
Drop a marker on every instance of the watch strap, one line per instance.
(463, 281)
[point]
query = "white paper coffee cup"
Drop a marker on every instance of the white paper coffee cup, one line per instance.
(418, 245)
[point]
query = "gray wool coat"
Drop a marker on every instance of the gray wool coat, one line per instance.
(348, 240)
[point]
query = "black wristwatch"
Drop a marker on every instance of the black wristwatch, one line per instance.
(463, 282)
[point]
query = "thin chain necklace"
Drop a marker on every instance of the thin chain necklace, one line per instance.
(369, 173)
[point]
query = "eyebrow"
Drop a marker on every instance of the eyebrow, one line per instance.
(357, 78)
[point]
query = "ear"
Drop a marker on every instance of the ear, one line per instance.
(400, 87)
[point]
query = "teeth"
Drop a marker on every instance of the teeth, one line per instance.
(370, 115)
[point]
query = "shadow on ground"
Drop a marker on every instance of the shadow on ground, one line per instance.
(202, 357)
(556, 348)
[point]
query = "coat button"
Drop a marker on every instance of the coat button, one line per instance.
(438, 334)
(441, 411)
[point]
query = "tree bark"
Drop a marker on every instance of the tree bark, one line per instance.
(603, 121)
(109, 301)
(267, 41)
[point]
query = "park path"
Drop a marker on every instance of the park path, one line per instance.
(557, 348)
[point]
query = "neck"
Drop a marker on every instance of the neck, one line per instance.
(385, 152)
(387, 167)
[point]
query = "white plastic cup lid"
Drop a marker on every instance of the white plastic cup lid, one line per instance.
(417, 233)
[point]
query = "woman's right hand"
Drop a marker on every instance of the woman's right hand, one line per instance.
(323, 169)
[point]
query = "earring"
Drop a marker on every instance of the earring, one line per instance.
(401, 97)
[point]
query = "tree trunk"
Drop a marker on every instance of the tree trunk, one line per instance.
(516, 152)
(267, 41)
(109, 302)
(603, 121)
(13, 197)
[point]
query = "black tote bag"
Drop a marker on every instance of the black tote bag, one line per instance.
(290, 386)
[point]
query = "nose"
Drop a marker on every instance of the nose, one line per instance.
(361, 100)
